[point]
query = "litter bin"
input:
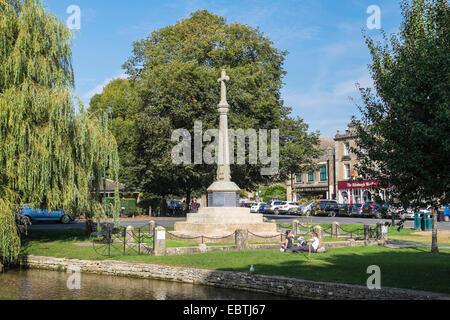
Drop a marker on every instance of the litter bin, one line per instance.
(418, 221)
(428, 221)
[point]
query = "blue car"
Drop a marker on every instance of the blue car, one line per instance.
(262, 208)
(28, 215)
(447, 213)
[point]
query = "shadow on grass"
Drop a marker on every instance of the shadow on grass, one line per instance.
(55, 235)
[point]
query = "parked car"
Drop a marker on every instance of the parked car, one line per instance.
(350, 209)
(345, 209)
(262, 208)
(405, 214)
(289, 207)
(255, 207)
(305, 209)
(375, 210)
(29, 215)
(356, 209)
(447, 213)
(247, 205)
(274, 207)
(326, 207)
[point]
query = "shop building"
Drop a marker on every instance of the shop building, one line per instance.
(337, 177)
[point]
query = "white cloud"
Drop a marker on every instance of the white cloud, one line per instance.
(348, 87)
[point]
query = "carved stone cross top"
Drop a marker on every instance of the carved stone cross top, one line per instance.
(223, 89)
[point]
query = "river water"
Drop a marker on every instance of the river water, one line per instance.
(52, 285)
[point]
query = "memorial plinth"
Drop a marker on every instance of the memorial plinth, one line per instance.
(223, 216)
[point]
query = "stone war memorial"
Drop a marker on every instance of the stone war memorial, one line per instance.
(223, 216)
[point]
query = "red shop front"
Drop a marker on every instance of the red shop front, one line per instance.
(359, 191)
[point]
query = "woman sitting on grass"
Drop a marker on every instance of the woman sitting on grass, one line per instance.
(289, 243)
(291, 247)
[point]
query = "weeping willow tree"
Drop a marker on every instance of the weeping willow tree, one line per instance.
(51, 155)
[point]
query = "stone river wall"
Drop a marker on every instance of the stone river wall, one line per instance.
(227, 279)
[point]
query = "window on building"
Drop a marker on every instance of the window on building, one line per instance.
(347, 171)
(346, 149)
(311, 176)
(323, 173)
(299, 178)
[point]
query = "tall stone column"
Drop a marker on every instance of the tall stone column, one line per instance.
(223, 192)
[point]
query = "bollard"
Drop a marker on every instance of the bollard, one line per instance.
(318, 230)
(241, 239)
(295, 227)
(151, 226)
(379, 230)
(366, 232)
(129, 235)
(159, 241)
(335, 230)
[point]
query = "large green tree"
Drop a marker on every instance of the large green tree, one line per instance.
(119, 100)
(404, 135)
(176, 70)
(50, 155)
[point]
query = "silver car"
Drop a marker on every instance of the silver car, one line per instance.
(274, 207)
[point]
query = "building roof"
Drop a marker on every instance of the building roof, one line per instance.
(325, 144)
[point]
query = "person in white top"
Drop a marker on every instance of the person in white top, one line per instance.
(314, 246)
(315, 242)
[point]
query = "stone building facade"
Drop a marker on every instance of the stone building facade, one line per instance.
(337, 177)
(315, 184)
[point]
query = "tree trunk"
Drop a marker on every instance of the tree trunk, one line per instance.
(434, 242)
(163, 207)
(89, 227)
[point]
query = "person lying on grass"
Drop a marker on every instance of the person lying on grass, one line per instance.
(291, 247)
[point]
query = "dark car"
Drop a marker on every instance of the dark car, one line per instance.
(325, 207)
(375, 210)
(345, 209)
(356, 209)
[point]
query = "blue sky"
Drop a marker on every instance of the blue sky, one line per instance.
(327, 53)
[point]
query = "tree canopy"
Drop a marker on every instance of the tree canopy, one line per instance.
(119, 100)
(50, 155)
(175, 71)
(404, 131)
(271, 192)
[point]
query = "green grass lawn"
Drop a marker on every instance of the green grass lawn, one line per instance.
(403, 268)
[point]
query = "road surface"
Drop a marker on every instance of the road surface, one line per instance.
(169, 222)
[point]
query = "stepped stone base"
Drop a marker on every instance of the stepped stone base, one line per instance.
(218, 222)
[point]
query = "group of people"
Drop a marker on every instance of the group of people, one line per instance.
(180, 209)
(194, 205)
(302, 245)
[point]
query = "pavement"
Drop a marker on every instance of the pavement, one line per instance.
(405, 244)
(170, 221)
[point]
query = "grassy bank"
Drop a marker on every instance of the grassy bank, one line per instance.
(404, 268)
